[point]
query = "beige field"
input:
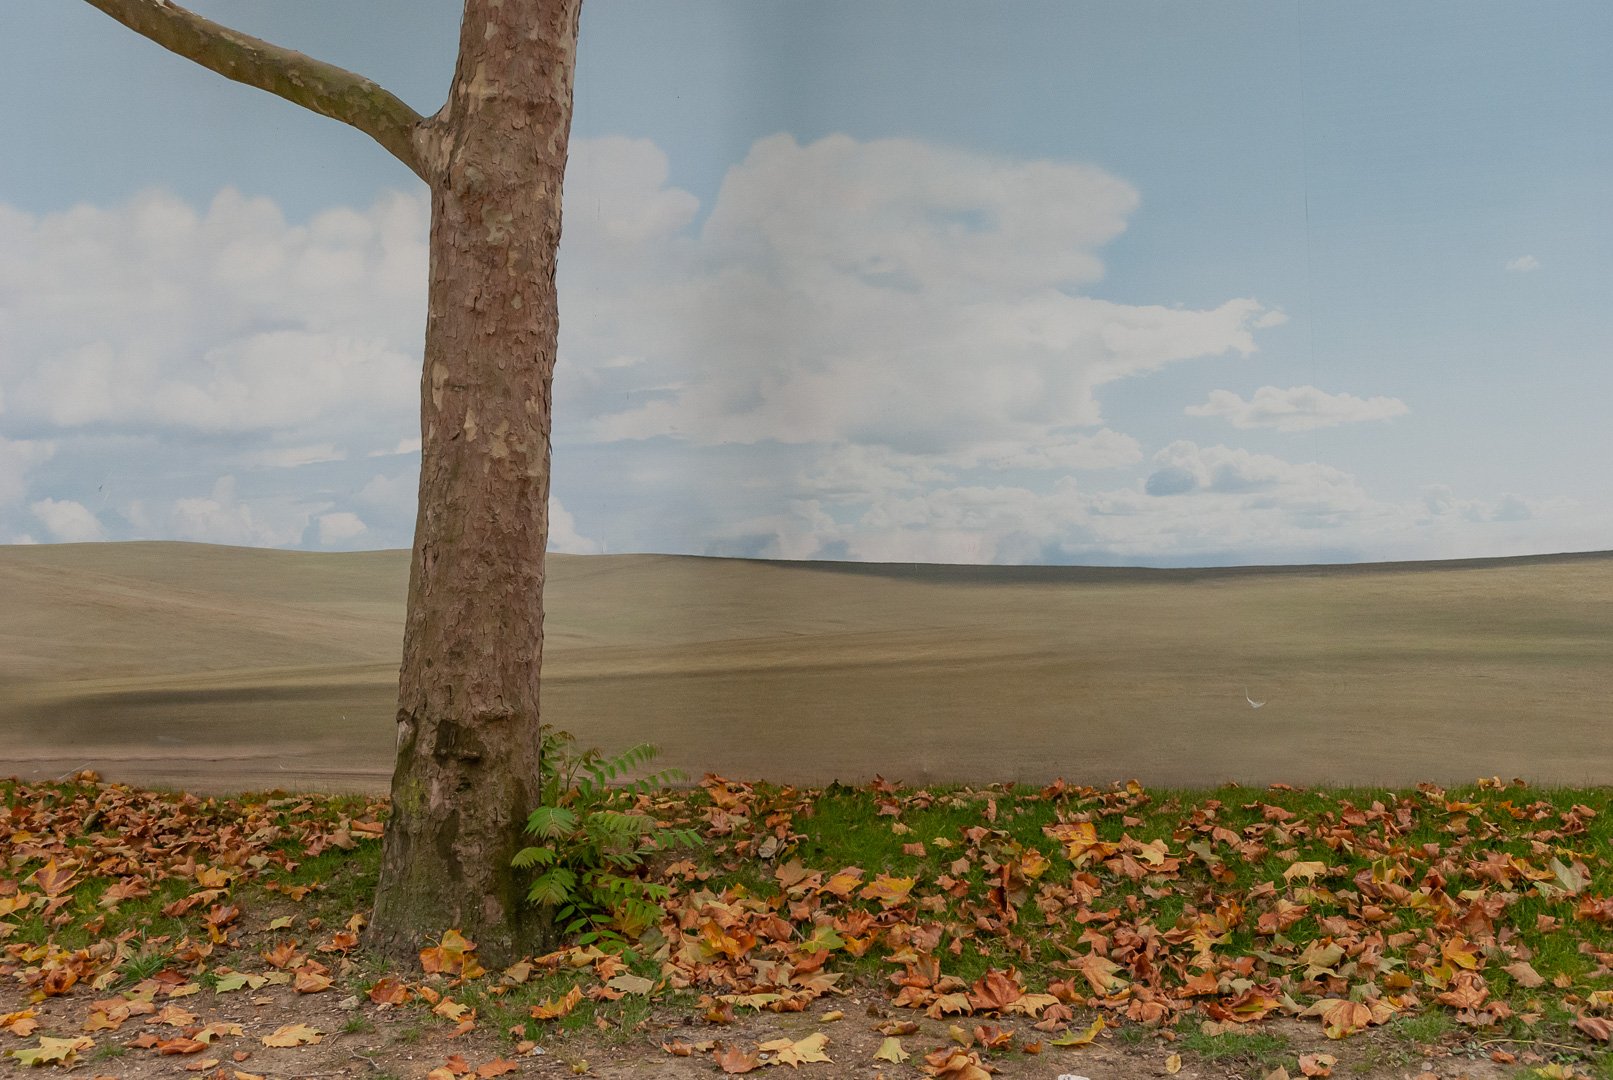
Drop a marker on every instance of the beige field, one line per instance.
(223, 668)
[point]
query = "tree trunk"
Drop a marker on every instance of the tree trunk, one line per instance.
(468, 731)
(494, 156)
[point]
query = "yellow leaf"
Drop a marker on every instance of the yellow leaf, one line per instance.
(449, 1009)
(293, 1035)
(1173, 1064)
(218, 1030)
(1306, 870)
(842, 883)
(59, 1050)
(891, 1050)
(21, 1024)
(1085, 1037)
(551, 1009)
(809, 1049)
(631, 984)
(890, 892)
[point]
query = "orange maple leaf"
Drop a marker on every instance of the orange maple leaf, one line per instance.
(735, 1060)
(842, 883)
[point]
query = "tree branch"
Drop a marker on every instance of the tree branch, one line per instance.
(313, 84)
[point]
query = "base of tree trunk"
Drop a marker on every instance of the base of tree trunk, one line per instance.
(445, 858)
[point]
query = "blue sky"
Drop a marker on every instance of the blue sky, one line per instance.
(1068, 282)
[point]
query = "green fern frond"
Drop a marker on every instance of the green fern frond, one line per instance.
(551, 822)
(553, 888)
(533, 856)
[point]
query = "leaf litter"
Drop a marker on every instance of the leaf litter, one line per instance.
(1008, 922)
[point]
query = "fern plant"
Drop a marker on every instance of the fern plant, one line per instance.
(590, 854)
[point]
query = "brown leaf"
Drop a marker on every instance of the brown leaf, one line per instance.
(173, 1014)
(309, 983)
(993, 990)
(1468, 991)
(389, 990)
(21, 1023)
(497, 1067)
(1317, 1064)
(53, 880)
(735, 1060)
(1595, 1026)
(181, 1046)
(282, 955)
(993, 1037)
(1525, 975)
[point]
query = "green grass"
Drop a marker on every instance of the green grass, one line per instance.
(1254, 1045)
(1441, 839)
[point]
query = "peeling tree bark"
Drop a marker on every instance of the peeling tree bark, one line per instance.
(467, 770)
(468, 733)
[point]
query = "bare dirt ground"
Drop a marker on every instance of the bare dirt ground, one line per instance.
(366, 1040)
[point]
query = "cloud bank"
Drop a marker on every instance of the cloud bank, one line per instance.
(874, 350)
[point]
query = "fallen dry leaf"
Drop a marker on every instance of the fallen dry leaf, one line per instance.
(1525, 975)
(891, 1050)
(809, 1049)
(1317, 1064)
(60, 1051)
(554, 1009)
(293, 1035)
(735, 1060)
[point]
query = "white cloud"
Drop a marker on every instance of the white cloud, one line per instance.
(219, 519)
(17, 456)
(405, 446)
(396, 495)
(1299, 408)
(67, 521)
(289, 457)
(888, 294)
(23, 538)
(223, 336)
(1200, 504)
(563, 535)
(1441, 503)
(151, 315)
(866, 350)
(1524, 264)
(339, 527)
